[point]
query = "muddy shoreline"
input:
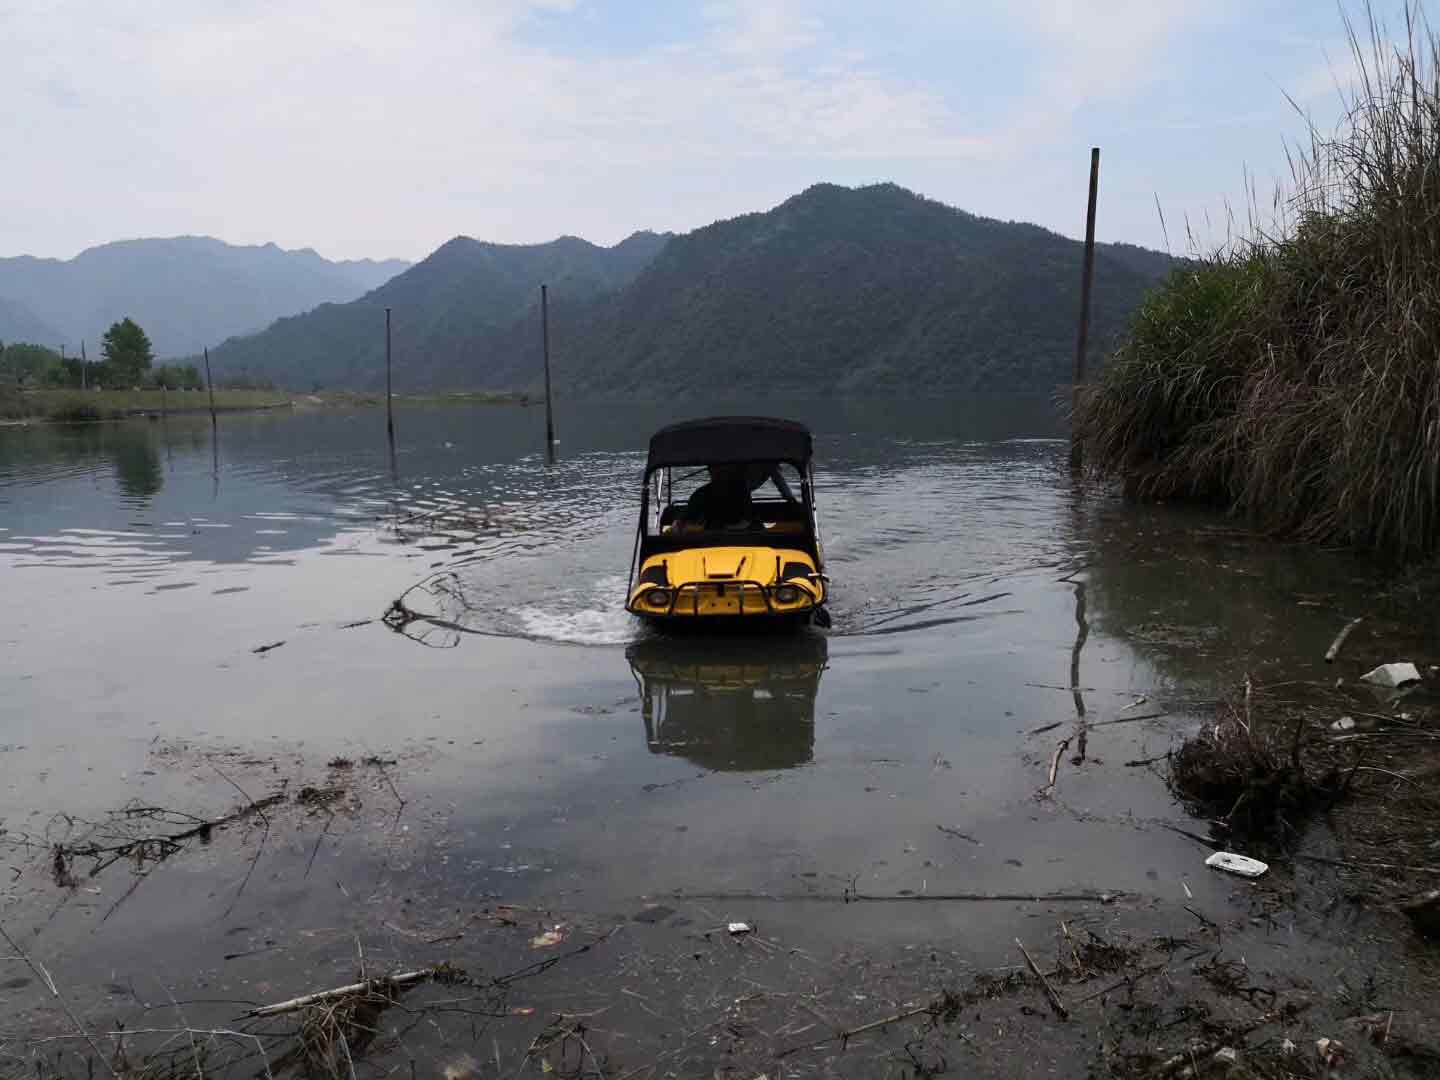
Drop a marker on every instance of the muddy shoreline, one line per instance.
(520, 981)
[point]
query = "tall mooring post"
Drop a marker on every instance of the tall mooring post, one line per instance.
(1087, 279)
(210, 388)
(389, 392)
(545, 344)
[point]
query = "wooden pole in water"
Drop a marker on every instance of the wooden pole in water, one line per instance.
(1087, 279)
(545, 340)
(84, 365)
(389, 403)
(210, 386)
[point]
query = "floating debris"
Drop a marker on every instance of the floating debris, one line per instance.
(1237, 864)
(1331, 1051)
(1392, 676)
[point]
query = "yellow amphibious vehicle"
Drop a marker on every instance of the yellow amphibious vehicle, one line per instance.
(727, 530)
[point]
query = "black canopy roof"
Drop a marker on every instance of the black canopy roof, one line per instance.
(727, 440)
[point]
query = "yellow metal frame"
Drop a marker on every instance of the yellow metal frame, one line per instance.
(711, 582)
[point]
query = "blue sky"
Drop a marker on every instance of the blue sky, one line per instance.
(365, 129)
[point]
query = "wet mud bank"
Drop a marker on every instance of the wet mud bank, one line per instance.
(267, 911)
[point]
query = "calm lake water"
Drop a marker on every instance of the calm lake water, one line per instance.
(543, 749)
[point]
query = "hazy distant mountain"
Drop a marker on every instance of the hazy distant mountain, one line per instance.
(19, 324)
(835, 290)
(465, 316)
(187, 291)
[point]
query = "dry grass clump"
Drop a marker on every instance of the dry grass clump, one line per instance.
(1249, 776)
(1296, 376)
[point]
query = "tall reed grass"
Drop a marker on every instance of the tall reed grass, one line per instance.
(1295, 375)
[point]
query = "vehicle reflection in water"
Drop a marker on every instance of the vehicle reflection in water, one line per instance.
(730, 703)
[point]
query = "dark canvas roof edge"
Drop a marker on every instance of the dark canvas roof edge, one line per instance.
(721, 440)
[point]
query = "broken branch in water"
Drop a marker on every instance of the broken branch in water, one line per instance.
(1055, 762)
(948, 831)
(1145, 761)
(1204, 919)
(1129, 719)
(849, 1033)
(369, 986)
(1335, 646)
(543, 965)
(1055, 1002)
(895, 898)
(1128, 979)
(155, 847)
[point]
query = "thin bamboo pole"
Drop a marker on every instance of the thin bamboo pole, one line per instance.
(545, 340)
(389, 391)
(1087, 280)
(210, 387)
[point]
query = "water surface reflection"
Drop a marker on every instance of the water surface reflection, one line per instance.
(931, 744)
(730, 704)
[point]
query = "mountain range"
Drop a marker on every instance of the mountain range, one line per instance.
(19, 323)
(467, 300)
(835, 290)
(186, 291)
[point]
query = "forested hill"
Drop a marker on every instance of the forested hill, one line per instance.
(452, 315)
(835, 290)
(186, 291)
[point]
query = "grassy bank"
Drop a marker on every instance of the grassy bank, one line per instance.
(77, 406)
(359, 399)
(80, 406)
(1294, 376)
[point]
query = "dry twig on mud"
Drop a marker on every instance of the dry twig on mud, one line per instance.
(1335, 646)
(1054, 998)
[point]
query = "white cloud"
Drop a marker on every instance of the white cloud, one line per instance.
(262, 118)
(367, 128)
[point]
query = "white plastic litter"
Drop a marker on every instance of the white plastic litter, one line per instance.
(1236, 864)
(1345, 723)
(739, 928)
(1392, 676)
(1331, 1051)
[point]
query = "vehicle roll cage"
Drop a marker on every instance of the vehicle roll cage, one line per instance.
(731, 441)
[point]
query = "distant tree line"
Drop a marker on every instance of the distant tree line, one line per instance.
(126, 360)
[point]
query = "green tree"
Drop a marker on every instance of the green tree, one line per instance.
(27, 365)
(127, 353)
(177, 377)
